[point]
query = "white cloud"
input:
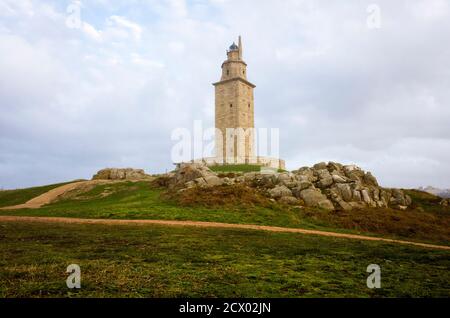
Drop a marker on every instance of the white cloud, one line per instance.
(16, 8)
(91, 31)
(123, 23)
(430, 9)
(76, 100)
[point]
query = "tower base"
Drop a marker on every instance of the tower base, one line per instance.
(258, 160)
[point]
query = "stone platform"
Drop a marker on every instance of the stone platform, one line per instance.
(258, 160)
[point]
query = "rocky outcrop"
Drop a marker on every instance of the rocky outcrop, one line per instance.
(121, 174)
(196, 174)
(348, 187)
(329, 186)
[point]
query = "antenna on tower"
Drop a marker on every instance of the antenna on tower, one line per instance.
(240, 47)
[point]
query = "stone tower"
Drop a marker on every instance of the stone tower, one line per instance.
(234, 105)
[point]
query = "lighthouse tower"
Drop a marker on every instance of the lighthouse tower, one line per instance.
(235, 117)
(234, 109)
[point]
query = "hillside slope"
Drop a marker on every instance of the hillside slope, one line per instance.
(426, 221)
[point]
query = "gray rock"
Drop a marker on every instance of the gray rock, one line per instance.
(199, 181)
(334, 166)
(190, 184)
(280, 191)
(408, 200)
(325, 179)
(376, 194)
(344, 205)
(228, 181)
(356, 196)
(121, 174)
(289, 200)
(213, 181)
(190, 172)
(320, 166)
(338, 179)
(369, 179)
(302, 185)
(398, 198)
(306, 173)
(345, 191)
(365, 196)
(315, 198)
(326, 205)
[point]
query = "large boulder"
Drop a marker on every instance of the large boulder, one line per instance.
(289, 201)
(399, 199)
(121, 174)
(345, 191)
(192, 174)
(325, 178)
(280, 191)
(315, 198)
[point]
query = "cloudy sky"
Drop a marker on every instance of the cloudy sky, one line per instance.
(107, 90)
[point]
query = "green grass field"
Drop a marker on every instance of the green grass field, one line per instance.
(141, 200)
(157, 261)
(235, 168)
(19, 196)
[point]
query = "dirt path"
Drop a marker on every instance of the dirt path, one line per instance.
(54, 194)
(213, 225)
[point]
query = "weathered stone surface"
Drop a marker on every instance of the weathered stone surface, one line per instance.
(320, 166)
(345, 191)
(289, 200)
(328, 186)
(344, 205)
(190, 184)
(192, 172)
(325, 179)
(326, 205)
(306, 173)
(354, 173)
(356, 196)
(280, 191)
(121, 174)
(369, 179)
(213, 180)
(338, 179)
(365, 196)
(334, 166)
(315, 198)
(301, 185)
(199, 181)
(398, 198)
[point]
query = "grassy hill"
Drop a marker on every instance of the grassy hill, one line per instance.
(19, 196)
(427, 222)
(163, 261)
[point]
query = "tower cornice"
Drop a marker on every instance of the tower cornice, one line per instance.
(235, 79)
(233, 61)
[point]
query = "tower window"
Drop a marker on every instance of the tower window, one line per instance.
(231, 105)
(228, 72)
(249, 105)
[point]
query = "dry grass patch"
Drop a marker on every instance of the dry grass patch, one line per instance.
(413, 224)
(235, 195)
